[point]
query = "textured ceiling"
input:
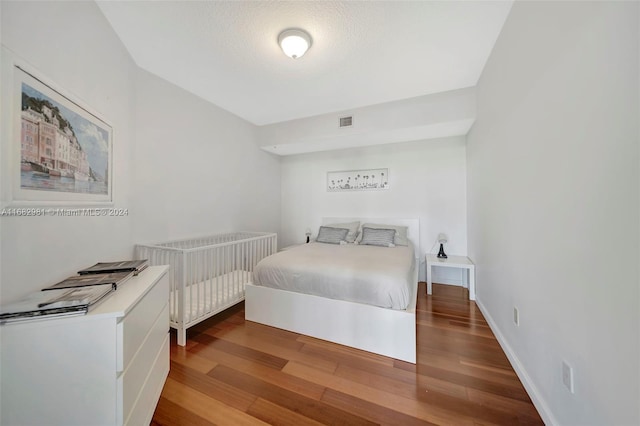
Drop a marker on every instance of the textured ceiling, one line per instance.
(363, 53)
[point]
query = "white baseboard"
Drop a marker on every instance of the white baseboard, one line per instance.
(530, 387)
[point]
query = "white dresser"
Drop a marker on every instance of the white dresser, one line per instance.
(104, 368)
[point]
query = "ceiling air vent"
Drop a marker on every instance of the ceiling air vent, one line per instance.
(346, 121)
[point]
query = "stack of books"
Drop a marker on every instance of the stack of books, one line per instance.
(74, 295)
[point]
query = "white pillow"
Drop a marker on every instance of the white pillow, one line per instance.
(351, 226)
(400, 238)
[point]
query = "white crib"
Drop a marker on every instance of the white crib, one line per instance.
(208, 275)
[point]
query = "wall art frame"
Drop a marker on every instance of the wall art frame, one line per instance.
(358, 180)
(56, 150)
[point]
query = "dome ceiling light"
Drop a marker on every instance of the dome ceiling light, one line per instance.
(294, 42)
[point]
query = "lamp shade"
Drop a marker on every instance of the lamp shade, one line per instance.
(294, 42)
(442, 238)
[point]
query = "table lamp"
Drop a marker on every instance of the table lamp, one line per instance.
(442, 238)
(308, 234)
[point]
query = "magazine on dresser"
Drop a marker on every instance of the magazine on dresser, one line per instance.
(113, 279)
(54, 303)
(135, 266)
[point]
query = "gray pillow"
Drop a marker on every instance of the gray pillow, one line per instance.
(400, 239)
(378, 237)
(351, 226)
(330, 235)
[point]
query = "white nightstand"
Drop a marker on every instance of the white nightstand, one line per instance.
(453, 262)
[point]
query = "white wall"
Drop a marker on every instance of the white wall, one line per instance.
(427, 181)
(198, 168)
(71, 44)
(553, 187)
(182, 166)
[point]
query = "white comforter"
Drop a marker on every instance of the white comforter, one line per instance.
(380, 276)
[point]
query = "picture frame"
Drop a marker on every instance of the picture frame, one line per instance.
(358, 180)
(56, 150)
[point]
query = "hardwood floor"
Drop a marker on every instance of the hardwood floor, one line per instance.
(234, 372)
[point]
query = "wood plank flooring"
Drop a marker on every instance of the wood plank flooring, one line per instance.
(235, 372)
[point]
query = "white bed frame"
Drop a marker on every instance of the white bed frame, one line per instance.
(374, 329)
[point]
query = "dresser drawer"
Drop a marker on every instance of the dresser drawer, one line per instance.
(136, 374)
(137, 324)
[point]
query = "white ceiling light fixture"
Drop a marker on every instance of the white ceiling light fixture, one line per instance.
(294, 42)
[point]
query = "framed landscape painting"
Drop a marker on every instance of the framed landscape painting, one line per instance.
(60, 150)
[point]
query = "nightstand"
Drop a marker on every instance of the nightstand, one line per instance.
(453, 262)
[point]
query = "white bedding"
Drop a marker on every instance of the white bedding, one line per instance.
(379, 276)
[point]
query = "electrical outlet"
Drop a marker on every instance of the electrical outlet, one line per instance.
(567, 376)
(516, 316)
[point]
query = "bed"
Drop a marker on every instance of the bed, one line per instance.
(372, 309)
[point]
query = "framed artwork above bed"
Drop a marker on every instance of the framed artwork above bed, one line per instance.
(358, 180)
